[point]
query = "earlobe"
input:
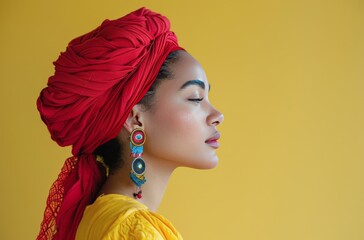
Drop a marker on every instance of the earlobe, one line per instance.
(134, 119)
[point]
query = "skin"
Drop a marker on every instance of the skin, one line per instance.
(180, 129)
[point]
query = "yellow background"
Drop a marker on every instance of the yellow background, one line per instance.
(289, 78)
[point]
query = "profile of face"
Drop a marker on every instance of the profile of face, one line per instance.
(181, 125)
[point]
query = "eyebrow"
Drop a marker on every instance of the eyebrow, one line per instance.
(199, 83)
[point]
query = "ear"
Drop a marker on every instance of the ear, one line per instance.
(135, 119)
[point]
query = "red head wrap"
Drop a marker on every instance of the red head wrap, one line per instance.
(97, 81)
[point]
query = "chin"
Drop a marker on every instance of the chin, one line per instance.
(213, 164)
(208, 164)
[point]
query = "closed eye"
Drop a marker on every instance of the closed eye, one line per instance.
(195, 99)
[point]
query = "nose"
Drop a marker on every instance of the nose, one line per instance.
(215, 118)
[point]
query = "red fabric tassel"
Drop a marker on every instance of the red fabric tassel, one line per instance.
(79, 179)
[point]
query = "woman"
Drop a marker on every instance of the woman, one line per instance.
(134, 106)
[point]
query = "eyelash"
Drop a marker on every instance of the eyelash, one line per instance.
(195, 99)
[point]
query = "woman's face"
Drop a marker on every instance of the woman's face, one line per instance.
(181, 124)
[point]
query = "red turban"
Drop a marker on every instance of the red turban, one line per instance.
(97, 81)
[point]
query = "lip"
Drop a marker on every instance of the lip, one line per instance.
(213, 140)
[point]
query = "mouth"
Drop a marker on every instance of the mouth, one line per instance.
(213, 141)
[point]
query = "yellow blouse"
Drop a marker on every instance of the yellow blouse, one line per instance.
(119, 217)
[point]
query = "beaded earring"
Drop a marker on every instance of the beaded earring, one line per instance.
(137, 139)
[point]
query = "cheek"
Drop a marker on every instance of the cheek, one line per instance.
(172, 126)
(178, 136)
(181, 122)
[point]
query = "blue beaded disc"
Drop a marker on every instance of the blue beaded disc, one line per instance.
(138, 166)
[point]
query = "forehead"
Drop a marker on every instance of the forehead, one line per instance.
(188, 68)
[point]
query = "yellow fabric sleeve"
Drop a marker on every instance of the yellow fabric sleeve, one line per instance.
(118, 217)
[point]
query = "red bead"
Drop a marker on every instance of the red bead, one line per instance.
(139, 195)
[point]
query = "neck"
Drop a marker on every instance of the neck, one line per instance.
(157, 174)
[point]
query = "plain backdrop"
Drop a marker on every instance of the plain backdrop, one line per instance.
(289, 78)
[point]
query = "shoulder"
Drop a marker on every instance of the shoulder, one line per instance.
(143, 224)
(120, 217)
